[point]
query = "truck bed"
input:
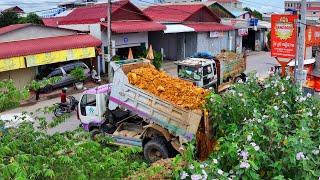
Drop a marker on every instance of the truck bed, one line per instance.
(176, 120)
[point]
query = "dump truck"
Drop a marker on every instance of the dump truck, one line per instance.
(132, 116)
(218, 72)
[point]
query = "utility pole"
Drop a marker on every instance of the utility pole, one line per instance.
(300, 74)
(110, 70)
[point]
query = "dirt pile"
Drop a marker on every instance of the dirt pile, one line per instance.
(174, 90)
(229, 56)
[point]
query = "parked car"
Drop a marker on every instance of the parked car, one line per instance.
(64, 73)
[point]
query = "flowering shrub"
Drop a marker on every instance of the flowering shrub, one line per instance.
(264, 130)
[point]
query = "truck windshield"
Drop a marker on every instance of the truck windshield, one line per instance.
(189, 72)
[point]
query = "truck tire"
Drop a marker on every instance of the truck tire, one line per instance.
(155, 150)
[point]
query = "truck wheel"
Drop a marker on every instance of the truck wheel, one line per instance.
(94, 134)
(155, 150)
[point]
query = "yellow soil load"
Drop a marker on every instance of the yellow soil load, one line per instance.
(174, 90)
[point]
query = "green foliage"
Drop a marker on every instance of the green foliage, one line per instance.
(31, 18)
(37, 85)
(10, 95)
(8, 18)
(116, 58)
(263, 131)
(157, 61)
(255, 13)
(78, 74)
(27, 153)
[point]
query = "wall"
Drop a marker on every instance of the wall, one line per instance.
(214, 45)
(166, 41)
(21, 77)
(33, 32)
(77, 27)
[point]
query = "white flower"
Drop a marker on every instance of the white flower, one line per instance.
(253, 144)
(265, 117)
(184, 175)
(257, 148)
(249, 138)
(244, 154)
(286, 116)
(283, 93)
(210, 88)
(284, 102)
(309, 95)
(220, 172)
(309, 114)
(277, 94)
(191, 167)
(300, 156)
(196, 177)
(201, 166)
(276, 108)
(282, 88)
(205, 175)
(288, 78)
(315, 152)
(231, 171)
(267, 85)
(211, 99)
(215, 161)
(244, 165)
(259, 120)
(240, 94)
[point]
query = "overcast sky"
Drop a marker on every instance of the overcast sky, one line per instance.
(36, 5)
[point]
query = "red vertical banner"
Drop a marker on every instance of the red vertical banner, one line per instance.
(312, 36)
(283, 36)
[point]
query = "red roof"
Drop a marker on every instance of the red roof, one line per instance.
(90, 14)
(209, 26)
(134, 26)
(44, 45)
(12, 28)
(226, 1)
(172, 13)
(52, 22)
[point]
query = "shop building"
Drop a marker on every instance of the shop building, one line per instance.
(27, 51)
(190, 28)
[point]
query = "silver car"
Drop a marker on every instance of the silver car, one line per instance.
(64, 72)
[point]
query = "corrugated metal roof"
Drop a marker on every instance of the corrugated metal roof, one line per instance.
(209, 26)
(134, 26)
(177, 28)
(44, 45)
(13, 27)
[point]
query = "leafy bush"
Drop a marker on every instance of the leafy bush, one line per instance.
(157, 61)
(78, 74)
(29, 153)
(263, 131)
(37, 85)
(10, 95)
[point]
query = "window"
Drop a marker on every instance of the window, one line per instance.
(87, 100)
(55, 73)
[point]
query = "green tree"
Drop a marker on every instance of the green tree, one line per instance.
(255, 13)
(8, 18)
(31, 18)
(10, 95)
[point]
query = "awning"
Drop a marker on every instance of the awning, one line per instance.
(34, 52)
(134, 26)
(45, 45)
(305, 62)
(177, 28)
(209, 26)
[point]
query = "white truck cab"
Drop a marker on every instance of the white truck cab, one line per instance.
(202, 72)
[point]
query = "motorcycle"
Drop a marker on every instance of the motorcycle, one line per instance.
(68, 107)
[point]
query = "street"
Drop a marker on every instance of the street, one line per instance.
(259, 62)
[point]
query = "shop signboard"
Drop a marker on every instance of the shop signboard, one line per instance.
(283, 36)
(312, 36)
(243, 32)
(60, 56)
(12, 63)
(215, 34)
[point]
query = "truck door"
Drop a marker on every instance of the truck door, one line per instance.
(89, 111)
